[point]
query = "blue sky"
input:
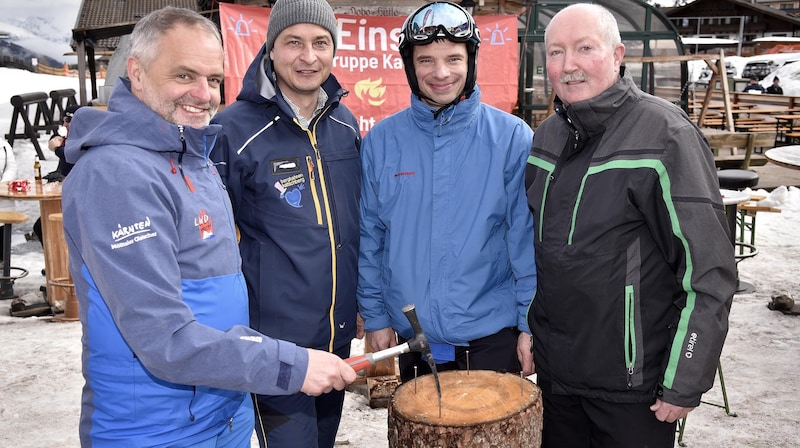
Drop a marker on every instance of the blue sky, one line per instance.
(62, 13)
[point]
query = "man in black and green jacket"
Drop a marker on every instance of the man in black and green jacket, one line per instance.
(634, 259)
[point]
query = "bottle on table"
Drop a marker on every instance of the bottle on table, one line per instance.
(37, 169)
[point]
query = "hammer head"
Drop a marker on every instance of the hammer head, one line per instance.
(419, 343)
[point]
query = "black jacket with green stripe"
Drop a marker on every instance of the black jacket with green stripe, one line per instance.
(635, 262)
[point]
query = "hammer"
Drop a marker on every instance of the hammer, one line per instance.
(418, 343)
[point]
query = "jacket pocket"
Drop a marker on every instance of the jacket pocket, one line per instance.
(632, 338)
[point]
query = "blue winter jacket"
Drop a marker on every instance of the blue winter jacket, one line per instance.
(167, 353)
(295, 199)
(445, 224)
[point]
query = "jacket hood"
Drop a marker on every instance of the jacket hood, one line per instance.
(128, 121)
(259, 86)
(455, 117)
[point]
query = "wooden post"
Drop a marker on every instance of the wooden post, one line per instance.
(479, 408)
(726, 99)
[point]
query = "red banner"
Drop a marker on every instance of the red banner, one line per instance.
(367, 62)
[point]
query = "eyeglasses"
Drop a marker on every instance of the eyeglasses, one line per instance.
(439, 20)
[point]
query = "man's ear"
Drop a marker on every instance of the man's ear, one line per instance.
(135, 73)
(619, 54)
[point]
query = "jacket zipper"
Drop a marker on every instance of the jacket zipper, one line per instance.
(630, 333)
(312, 177)
(312, 135)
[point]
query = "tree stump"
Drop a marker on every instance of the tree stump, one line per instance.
(479, 409)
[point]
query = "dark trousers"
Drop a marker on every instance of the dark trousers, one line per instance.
(496, 352)
(298, 420)
(577, 422)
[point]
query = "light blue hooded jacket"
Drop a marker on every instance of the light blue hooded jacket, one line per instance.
(445, 223)
(167, 352)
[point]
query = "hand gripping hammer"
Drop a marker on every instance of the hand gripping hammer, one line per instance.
(418, 343)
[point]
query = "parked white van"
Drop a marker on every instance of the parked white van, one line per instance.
(762, 65)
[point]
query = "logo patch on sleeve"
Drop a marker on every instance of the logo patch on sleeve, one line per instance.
(132, 233)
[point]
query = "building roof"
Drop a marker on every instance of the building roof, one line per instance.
(104, 21)
(686, 10)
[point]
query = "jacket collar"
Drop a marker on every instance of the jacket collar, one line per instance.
(590, 116)
(453, 118)
(128, 121)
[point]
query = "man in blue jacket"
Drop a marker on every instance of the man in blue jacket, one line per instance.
(289, 158)
(168, 357)
(444, 221)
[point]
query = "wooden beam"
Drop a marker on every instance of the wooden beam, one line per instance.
(678, 58)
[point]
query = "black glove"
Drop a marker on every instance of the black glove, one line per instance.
(54, 176)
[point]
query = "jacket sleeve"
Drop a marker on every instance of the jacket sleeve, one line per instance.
(369, 291)
(697, 244)
(520, 224)
(59, 151)
(142, 285)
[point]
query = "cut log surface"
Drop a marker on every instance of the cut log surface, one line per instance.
(479, 409)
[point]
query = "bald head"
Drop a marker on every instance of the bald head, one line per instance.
(584, 52)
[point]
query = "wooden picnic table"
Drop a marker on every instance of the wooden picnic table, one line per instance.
(784, 126)
(733, 106)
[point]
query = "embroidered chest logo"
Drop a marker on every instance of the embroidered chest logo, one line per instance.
(291, 186)
(129, 234)
(206, 225)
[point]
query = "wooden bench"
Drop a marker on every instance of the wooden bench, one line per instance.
(34, 121)
(60, 100)
(792, 138)
(740, 140)
(752, 122)
(747, 217)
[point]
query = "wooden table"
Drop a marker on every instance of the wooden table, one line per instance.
(785, 156)
(56, 263)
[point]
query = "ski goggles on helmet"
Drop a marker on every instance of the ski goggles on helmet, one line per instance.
(439, 20)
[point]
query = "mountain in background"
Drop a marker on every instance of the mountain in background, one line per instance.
(22, 41)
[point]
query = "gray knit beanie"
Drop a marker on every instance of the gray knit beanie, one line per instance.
(287, 13)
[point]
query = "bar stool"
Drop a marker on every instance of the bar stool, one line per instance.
(7, 218)
(63, 279)
(738, 180)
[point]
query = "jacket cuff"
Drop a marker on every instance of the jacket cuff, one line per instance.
(293, 366)
(673, 397)
(376, 323)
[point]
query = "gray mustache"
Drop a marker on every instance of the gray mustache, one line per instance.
(574, 77)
